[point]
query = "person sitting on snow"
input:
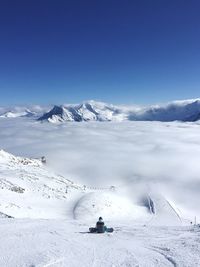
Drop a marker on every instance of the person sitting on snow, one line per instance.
(101, 228)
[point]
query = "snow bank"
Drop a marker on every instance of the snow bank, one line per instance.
(108, 205)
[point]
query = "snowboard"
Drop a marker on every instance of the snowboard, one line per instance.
(107, 230)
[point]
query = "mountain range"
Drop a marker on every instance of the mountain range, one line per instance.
(187, 110)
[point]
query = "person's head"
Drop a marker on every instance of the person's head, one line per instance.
(100, 219)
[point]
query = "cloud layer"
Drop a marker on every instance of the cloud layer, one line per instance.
(164, 156)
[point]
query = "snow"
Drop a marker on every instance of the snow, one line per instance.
(185, 110)
(109, 205)
(30, 189)
(28, 111)
(56, 243)
(13, 114)
(87, 111)
(188, 110)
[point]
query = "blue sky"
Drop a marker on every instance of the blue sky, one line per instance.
(116, 51)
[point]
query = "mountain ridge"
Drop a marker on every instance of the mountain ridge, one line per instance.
(181, 110)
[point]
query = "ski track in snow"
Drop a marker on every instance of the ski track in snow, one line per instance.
(55, 243)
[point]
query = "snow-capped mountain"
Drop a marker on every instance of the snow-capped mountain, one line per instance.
(187, 110)
(16, 114)
(96, 111)
(87, 111)
(22, 111)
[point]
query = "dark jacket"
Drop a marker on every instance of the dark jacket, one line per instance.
(100, 227)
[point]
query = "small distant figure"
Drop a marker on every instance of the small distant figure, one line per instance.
(112, 188)
(100, 227)
(43, 159)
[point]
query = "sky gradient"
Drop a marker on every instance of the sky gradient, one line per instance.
(115, 51)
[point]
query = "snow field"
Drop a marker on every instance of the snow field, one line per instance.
(57, 243)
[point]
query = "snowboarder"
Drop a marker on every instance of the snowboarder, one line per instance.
(100, 227)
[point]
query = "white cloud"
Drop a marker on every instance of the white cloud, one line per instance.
(160, 155)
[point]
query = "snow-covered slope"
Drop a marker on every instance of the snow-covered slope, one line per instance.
(109, 205)
(29, 189)
(62, 243)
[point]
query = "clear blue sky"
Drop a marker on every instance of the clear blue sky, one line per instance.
(58, 51)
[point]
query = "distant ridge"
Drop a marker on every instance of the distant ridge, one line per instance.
(186, 111)
(15, 114)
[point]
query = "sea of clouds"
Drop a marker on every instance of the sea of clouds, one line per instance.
(163, 156)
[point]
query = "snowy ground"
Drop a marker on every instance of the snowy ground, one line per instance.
(42, 243)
